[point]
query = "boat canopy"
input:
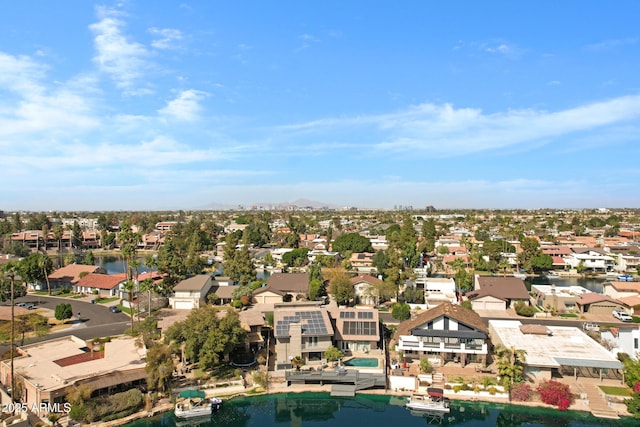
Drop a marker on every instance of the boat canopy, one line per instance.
(192, 394)
(435, 392)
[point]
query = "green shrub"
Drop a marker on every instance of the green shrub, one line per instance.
(492, 390)
(525, 310)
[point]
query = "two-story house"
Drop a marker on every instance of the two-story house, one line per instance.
(447, 332)
(301, 329)
(191, 293)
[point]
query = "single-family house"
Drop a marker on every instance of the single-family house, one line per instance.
(555, 351)
(103, 285)
(69, 275)
(279, 285)
(362, 262)
(497, 293)
(622, 339)
(593, 260)
(560, 298)
(356, 329)
(599, 304)
(301, 329)
(191, 293)
(446, 332)
(48, 370)
(365, 288)
(619, 290)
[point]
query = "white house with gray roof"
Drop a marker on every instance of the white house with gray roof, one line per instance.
(191, 293)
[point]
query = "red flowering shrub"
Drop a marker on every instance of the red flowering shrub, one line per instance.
(555, 393)
(636, 387)
(521, 392)
(244, 300)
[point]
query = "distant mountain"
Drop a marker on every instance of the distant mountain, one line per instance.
(300, 203)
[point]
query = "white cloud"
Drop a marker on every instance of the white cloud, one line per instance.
(123, 60)
(166, 38)
(185, 107)
(613, 43)
(431, 130)
(21, 74)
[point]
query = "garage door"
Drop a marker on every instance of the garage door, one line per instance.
(184, 305)
(488, 305)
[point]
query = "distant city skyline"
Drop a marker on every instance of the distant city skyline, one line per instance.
(135, 105)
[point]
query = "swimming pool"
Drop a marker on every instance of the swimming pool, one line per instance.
(362, 362)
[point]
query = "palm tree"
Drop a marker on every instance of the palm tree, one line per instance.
(44, 262)
(129, 287)
(510, 364)
(148, 286)
(11, 269)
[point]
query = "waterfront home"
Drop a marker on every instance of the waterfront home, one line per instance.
(279, 285)
(594, 303)
(69, 276)
(561, 298)
(301, 329)
(48, 370)
(355, 329)
(619, 290)
(447, 333)
(593, 260)
(191, 293)
(497, 293)
(622, 339)
(103, 285)
(555, 351)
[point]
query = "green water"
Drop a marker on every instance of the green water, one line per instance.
(319, 409)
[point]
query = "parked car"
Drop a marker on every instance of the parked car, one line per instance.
(30, 306)
(621, 315)
(114, 309)
(21, 304)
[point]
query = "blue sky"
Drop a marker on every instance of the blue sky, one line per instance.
(186, 105)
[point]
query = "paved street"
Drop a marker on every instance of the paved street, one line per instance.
(95, 319)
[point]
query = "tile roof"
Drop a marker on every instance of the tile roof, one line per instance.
(457, 312)
(593, 297)
(72, 272)
(624, 286)
(367, 278)
(102, 281)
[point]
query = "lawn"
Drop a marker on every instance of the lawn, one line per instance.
(106, 300)
(615, 391)
(568, 315)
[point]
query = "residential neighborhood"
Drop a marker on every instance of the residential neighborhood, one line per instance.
(351, 302)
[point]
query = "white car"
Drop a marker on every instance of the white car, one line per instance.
(621, 315)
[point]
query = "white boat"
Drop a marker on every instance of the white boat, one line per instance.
(433, 401)
(625, 277)
(520, 275)
(197, 407)
(550, 275)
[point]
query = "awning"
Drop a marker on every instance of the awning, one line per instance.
(587, 363)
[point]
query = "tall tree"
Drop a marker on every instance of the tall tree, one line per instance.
(340, 286)
(510, 364)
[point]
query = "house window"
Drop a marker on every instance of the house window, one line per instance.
(446, 323)
(312, 342)
(347, 315)
(635, 343)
